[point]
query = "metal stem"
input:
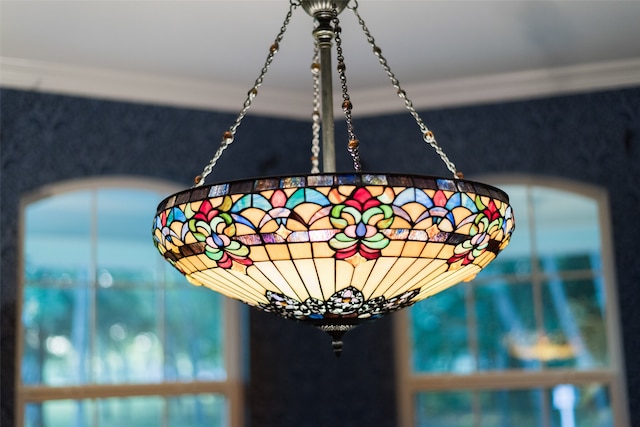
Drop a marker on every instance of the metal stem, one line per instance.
(324, 35)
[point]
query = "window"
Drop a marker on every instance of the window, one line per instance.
(111, 334)
(534, 339)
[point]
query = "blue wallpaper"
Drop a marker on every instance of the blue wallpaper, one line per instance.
(592, 138)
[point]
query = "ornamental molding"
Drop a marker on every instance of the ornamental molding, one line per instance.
(64, 79)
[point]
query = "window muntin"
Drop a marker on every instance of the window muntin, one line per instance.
(542, 309)
(100, 308)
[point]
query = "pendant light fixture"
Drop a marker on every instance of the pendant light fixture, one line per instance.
(332, 249)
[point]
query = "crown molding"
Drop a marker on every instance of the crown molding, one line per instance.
(152, 89)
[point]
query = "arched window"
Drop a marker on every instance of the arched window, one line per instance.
(110, 334)
(534, 339)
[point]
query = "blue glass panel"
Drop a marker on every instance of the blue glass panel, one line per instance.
(218, 190)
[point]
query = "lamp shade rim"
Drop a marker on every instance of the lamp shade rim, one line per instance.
(358, 179)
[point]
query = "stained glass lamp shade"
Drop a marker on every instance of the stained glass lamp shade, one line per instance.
(333, 249)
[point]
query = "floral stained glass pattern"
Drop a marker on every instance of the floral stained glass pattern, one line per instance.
(350, 246)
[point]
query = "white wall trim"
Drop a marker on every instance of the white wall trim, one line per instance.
(116, 85)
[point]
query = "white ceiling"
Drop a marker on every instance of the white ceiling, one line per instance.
(208, 53)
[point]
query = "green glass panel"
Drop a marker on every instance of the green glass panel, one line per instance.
(59, 413)
(439, 333)
(444, 409)
(203, 410)
(195, 324)
(582, 406)
(55, 336)
(125, 252)
(521, 408)
(131, 411)
(127, 336)
(574, 315)
(57, 245)
(506, 322)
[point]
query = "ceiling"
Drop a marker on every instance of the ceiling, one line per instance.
(208, 53)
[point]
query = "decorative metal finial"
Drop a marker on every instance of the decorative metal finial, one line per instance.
(317, 8)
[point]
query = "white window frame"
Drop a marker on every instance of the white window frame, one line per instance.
(234, 330)
(410, 383)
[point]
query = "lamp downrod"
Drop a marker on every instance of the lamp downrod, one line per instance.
(322, 11)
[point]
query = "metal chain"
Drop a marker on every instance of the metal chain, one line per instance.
(228, 136)
(347, 106)
(315, 116)
(427, 135)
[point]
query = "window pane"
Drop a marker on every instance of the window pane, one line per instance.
(439, 333)
(57, 245)
(201, 410)
(521, 408)
(506, 323)
(567, 227)
(204, 410)
(444, 409)
(574, 323)
(583, 406)
(132, 411)
(56, 336)
(125, 251)
(127, 336)
(57, 272)
(194, 330)
(59, 413)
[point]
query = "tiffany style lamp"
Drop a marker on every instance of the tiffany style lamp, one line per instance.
(332, 249)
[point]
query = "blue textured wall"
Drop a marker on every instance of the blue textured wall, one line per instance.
(593, 138)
